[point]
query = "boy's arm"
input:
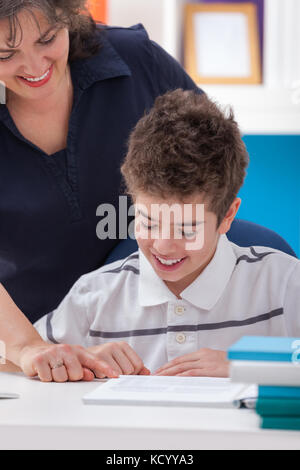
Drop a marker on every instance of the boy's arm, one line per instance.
(291, 304)
(69, 322)
(120, 357)
(203, 363)
(212, 363)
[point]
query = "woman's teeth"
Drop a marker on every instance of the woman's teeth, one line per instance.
(37, 79)
(169, 262)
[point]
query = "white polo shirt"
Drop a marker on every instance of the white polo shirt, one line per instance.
(243, 291)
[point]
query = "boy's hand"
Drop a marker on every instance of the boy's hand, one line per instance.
(120, 357)
(203, 363)
(62, 363)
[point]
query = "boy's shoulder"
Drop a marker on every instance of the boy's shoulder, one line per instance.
(263, 257)
(112, 275)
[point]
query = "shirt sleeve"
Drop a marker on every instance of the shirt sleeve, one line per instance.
(69, 323)
(292, 302)
(169, 73)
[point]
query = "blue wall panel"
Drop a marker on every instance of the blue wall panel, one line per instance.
(271, 193)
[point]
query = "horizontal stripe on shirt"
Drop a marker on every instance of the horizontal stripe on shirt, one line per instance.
(125, 267)
(201, 327)
(258, 256)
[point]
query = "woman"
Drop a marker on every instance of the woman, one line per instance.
(73, 94)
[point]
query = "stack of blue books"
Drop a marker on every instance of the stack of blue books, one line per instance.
(273, 363)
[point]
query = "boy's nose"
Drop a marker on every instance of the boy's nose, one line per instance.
(164, 247)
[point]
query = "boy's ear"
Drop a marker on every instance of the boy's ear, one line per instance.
(229, 217)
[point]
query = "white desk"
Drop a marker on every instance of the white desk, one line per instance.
(52, 416)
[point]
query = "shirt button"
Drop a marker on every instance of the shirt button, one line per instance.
(179, 310)
(180, 338)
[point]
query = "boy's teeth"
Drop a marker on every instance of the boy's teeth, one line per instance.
(37, 79)
(169, 262)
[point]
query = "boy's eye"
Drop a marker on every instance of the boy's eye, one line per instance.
(189, 234)
(147, 226)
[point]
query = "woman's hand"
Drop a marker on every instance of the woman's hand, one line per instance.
(203, 363)
(62, 363)
(120, 357)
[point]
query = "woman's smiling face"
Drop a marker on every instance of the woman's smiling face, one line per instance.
(34, 66)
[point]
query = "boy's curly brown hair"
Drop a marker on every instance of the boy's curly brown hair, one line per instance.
(72, 14)
(184, 146)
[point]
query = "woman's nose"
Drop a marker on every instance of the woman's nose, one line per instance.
(35, 66)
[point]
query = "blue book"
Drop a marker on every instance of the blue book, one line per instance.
(266, 391)
(280, 422)
(266, 348)
(278, 407)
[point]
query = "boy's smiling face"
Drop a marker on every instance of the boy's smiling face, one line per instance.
(179, 244)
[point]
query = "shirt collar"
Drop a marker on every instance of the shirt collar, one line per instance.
(105, 65)
(152, 290)
(204, 292)
(207, 289)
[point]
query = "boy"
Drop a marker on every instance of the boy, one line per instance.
(176, 305)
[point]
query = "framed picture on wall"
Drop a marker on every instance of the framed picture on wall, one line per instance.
(222, 43)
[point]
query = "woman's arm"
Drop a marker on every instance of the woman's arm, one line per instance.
(16, 331)
(26, 349)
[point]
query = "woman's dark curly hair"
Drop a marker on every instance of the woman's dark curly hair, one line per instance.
(71, 14)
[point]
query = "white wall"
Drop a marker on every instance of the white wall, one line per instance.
(129, 12)
(163, 20)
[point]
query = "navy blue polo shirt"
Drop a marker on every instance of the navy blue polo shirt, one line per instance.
(48, 203)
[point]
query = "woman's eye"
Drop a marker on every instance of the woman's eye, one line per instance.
(6, 58)
(48, 41)
(43, 43)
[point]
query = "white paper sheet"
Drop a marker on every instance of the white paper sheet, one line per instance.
(167, 391)
(222, 45)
